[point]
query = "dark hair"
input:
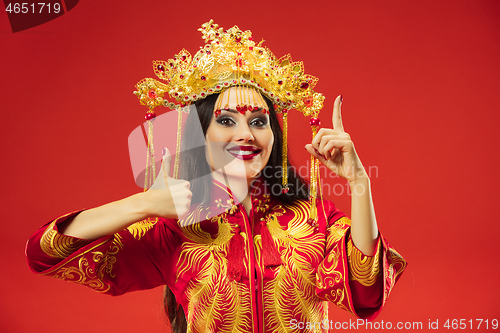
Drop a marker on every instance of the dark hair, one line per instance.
(194, 165)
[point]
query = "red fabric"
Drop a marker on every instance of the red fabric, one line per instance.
(192, 261)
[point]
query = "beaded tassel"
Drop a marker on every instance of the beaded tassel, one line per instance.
(178, 144)
(313, 193)
(150, 172)
(284, 153)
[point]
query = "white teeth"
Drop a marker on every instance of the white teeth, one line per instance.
(244, 152)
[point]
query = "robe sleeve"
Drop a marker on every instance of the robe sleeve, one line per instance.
(351, 280)
(133, 259)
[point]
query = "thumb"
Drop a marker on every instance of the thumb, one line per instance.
(161, 181)
(165, 165)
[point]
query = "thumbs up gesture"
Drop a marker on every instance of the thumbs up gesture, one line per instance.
(168, 197)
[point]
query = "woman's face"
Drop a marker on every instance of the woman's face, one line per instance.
(239, 145)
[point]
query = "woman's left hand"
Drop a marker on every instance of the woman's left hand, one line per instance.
(335, 149)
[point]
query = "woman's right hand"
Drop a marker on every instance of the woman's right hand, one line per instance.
(168, 197)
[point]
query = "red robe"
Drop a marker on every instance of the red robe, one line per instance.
(319, 264)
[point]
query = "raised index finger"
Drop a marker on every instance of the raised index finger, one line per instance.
(337, 116)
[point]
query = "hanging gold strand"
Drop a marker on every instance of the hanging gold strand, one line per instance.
(284, 153)
(150, 172)
(178, 144)
(313, 181)
(226, 107)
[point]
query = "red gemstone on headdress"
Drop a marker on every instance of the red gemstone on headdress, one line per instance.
(183, 58)
(243, 81)
(234, 81)
(202, 94)
(217, 112)
(181, 76)
(226, 107)
(285, 190)
(226, 84)
(237, 39)
(244, 108)
(239, 53)
(152, 94)
(284, 111)
(250, 48)
(150, 115)
(172, 65)
(160, 68)
(203, 78)
(176, 94)
(249, 107)
(250, 38)
(218, 87)
(238, 108)
(194, 96)
(288, 93)
(187, 97)
(280, 82)
(208, 52)
(314, 122)
(255, 108)
(304, 85)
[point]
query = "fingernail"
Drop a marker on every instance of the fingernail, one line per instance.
(341, 99)
(164, 151)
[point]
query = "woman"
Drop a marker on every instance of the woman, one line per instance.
(236, 255)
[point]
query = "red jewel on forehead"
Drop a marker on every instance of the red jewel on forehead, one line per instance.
(217, 113)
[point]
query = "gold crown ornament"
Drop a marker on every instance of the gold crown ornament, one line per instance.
(232, 58)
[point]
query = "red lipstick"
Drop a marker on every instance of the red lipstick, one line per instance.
(244, 152)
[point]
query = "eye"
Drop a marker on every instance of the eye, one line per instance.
(225, 121)
(259, 122)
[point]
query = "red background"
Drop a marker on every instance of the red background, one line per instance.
(420, 81)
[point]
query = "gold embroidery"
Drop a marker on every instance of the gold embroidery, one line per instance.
(84, 274)
(332, 271)
(291, 293)
(57, 245)
(396, 267)
(140, 228)
(215, 302)
(362, 268)
(263, 205)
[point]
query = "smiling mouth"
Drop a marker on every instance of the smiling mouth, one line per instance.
(244, 152)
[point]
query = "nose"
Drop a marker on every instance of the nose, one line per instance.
(244, 134)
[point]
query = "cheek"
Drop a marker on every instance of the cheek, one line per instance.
(270, 141)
